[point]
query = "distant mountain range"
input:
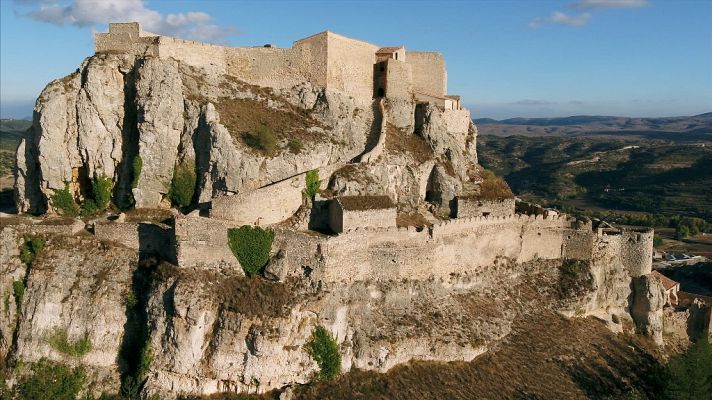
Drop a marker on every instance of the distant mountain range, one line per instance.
(698, 126)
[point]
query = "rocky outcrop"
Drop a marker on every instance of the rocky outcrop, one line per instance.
(159, 103)
(648, 299)
(11, 270)
(115, 111)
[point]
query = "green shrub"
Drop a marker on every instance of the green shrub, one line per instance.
(101, 189)
(30, 249)
(689, 375)
(63, 201)
(18, 290)
(183, 184)
(61, 343)
(136, 166)
(312, 183)
(657, 241)
(323, 349)
(100, 196)
(295, 146)
(50, 380)
(251, 246)
(262, 139)
(145, 361)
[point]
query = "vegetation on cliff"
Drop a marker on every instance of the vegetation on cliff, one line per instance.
(262, 138)
(50, 380)
(493, 187)
(323, 349)
(251, 246)
(59, 340)
(312, 183)
(64, 203)
(100, 198)
(183, 184)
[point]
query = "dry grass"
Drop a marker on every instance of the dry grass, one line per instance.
(236, 293)
(493, 187)
(547, 357)
(148, 214)
(412, 219)
(243, 117)
(360, 203)
(408, 143)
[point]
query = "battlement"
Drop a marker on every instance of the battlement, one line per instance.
(326, 60)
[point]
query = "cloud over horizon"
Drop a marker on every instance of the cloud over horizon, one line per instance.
(560, 18)
(88, 13)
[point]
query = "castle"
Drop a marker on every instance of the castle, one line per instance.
(380, 130)
(325, 59)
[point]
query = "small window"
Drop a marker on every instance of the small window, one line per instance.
(396, 56)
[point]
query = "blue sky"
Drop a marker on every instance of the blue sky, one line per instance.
(505, 58)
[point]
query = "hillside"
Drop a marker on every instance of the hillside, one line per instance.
(11, 132)
(624, 172)
(698, 127)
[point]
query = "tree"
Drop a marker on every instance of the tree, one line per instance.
(690, 374)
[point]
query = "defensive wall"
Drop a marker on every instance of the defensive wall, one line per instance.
(147, 238)
(325, 60)
(458, 246)
(267, 205)
(468, 207)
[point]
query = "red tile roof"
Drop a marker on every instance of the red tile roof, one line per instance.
(667, 282)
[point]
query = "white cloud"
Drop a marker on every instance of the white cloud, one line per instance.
(599, 4)
(559, 18)
(85, 13)
(533, 103)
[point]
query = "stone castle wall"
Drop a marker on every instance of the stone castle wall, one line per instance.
(266, 205)
(429, 73)
(203, 242)
(148, 239)
(469, 207)
(325, 60)
(350, 66)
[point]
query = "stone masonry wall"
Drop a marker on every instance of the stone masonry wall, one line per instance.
(148, 239)
(350, 66)
(398, 79)
(429, 73)
(267, 205)
(325, 60)
(469, 207)
(203, 242)
(264, 206)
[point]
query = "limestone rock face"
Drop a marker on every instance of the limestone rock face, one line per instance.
(215, 331)
(100, 116)
(71, 296)
(648, 299)
(159, 102)
(11, 270)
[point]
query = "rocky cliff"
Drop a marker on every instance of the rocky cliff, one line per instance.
(142, 326)
(115, 111)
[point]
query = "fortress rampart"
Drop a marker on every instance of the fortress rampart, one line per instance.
(325, 60)
(459, 246)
